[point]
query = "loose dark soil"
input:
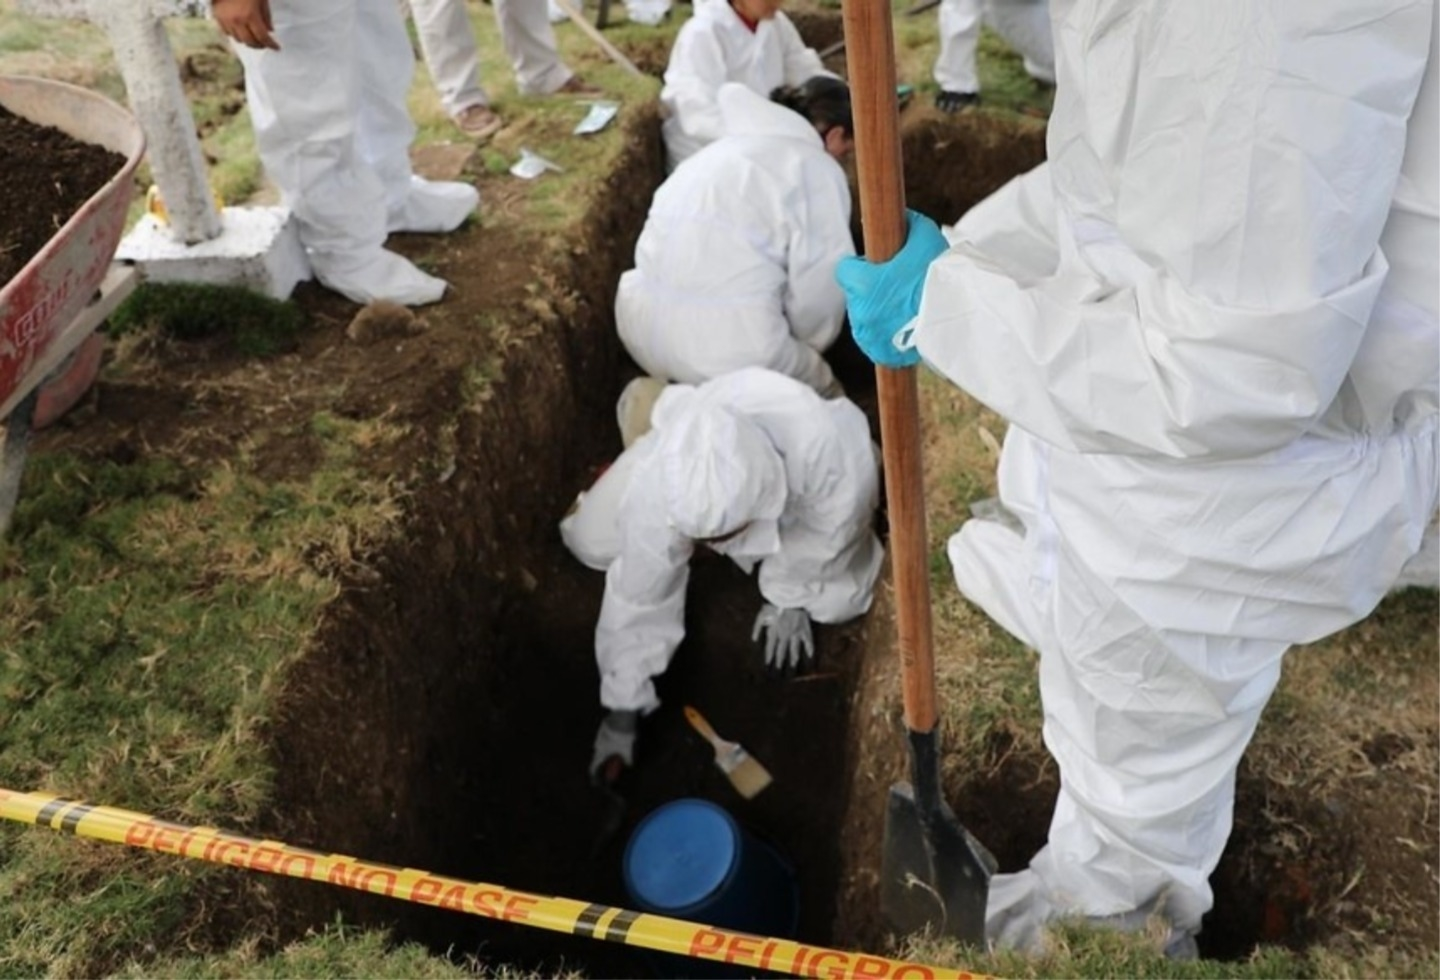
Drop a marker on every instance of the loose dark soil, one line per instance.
(444, 717)
(48, 176)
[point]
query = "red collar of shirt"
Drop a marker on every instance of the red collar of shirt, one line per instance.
(752, 25)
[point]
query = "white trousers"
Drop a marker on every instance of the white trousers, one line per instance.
(331, 123)
(1148, 716)
(1024, 24)
(447, 40)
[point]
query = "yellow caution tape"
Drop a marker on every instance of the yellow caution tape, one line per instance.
(605, 922)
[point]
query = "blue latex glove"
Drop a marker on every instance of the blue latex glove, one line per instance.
(882, 297)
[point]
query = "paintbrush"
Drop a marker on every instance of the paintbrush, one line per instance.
(747, 775)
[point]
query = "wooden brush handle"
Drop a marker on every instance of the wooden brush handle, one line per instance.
(697, 721)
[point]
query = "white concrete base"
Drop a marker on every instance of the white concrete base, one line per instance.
(257, 247)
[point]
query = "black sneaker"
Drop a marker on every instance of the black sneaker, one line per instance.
(955, 101)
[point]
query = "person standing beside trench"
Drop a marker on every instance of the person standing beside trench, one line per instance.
(326, 83)
(447, 42)
(1211, 321)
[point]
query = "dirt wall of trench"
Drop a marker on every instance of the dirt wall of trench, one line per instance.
(397, 727)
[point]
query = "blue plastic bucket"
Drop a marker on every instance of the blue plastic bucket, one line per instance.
(689, 859)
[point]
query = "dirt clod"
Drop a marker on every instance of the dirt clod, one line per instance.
(383, 320)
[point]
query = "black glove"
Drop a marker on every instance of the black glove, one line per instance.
(955, 101)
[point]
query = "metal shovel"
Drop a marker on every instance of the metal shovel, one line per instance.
(933, 872)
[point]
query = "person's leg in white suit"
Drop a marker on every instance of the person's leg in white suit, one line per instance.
(333, 133)
(1147, 730)
(1025, 27)
(955, 64)
(529, 42)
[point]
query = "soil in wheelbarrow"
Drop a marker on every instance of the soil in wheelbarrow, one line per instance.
(48, 176)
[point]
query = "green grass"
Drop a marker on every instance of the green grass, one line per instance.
(1082, 952)
(337, 951)
(150, 611)
(256, 325)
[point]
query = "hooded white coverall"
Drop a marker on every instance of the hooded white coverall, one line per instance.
(333, 132)
(447, 39)
(714, 47)
(1024, 24)
(1223, 413)
(796, 471)
(736, 263)
(648, 12)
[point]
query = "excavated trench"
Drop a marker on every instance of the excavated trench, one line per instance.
(445, 720)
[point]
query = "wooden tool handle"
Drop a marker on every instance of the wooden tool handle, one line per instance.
(870, 41)
(697, 721)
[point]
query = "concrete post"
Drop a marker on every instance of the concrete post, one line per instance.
(257, 247)
(147, 64)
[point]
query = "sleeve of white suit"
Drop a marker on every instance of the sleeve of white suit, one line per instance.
(642, 616)
(801, 61)
(1210, 285)
(819, 239)
(692, 85)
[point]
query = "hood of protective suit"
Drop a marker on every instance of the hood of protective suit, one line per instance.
(746, 113)
(718, 471)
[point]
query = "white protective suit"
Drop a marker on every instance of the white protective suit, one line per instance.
(1024, 24)
(753, 449)
(1223, 414)
(333, 132)
(447, 38)
(648, 12)
(714, 47)
(736, 264)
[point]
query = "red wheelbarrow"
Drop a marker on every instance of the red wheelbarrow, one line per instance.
(53, 306)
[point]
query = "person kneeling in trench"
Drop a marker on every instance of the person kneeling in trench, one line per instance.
(753, 465)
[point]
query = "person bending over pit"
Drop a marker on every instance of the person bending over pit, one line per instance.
(755, 466)
(735, 266)
(745, 41)
(1211, 321)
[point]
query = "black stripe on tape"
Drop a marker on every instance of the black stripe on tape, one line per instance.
(589, 916)
(73, 817)
(619, 927)
(48, 811)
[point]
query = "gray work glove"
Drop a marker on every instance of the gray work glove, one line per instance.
(615, 739)
(788, 641)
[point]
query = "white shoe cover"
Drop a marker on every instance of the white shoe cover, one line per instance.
(632, 411)
(434, 206)
(378, 275)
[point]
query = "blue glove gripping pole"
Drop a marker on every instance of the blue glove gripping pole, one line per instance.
(882, 298)
(933, 874)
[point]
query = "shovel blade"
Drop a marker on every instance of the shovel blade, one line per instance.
(934, 874)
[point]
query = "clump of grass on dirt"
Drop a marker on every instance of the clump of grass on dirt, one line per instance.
(256, 325)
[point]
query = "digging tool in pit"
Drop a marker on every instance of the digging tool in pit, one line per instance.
(934, 873)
